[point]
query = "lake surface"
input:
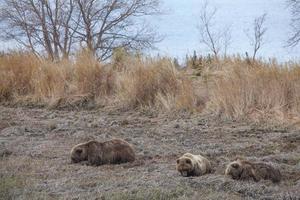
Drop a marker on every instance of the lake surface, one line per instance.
(181, 17)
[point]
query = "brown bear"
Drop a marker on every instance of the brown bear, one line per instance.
(193, 165)
(241, 169)
(96, 153)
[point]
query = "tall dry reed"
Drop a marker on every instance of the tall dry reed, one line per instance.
(132, 82)
(261, 91)
(230, 87)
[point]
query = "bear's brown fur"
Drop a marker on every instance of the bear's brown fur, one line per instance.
(96, 153)
(193, 165)
(245, 170)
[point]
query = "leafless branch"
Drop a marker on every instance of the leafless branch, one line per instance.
(56, 27)
(116, 23)
(215, 40)
(294, 39)
(259, 31)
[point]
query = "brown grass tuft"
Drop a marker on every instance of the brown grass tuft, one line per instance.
(156, 82)
(91, 77)
(228, 87)
(16, 72)
(263, 91)
(131, 81)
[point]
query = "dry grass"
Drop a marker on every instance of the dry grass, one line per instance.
(24, 76)
(16, 72)
(131, 82)
(156, 83)
(230, 87)
(261, 91)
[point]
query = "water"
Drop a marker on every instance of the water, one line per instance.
(179, 22)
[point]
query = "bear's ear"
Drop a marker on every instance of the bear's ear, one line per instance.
(188, 161)
(235, 165)
(78, 151)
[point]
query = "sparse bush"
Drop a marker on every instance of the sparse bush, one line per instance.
(194, 61)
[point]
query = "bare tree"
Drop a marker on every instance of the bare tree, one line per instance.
(110, 24)
(56, 27)
(227, 39)
(39, 25)
(214, 39)
(259, 30)
(294, 39)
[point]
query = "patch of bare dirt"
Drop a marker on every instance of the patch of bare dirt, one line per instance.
(35, 146)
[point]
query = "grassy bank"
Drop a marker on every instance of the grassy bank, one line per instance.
(228, 87)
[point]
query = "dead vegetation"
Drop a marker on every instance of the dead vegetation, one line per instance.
(261, 91)
(138, 82)
(228, 87)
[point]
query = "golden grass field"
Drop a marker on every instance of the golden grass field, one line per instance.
(228, 87)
